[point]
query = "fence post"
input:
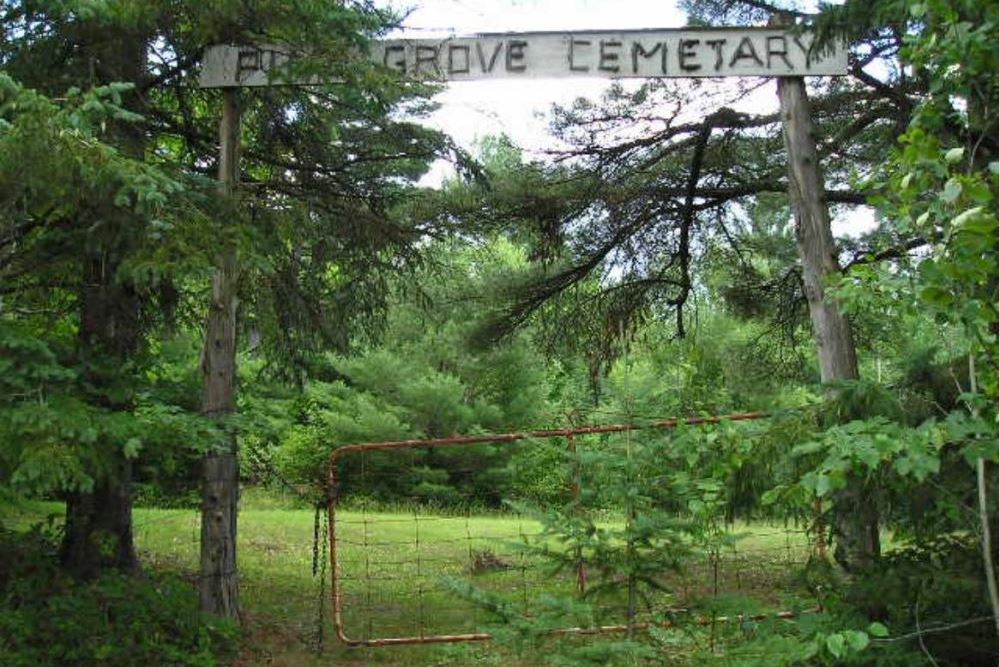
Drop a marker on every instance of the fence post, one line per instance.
(581, 564)
(820, 528)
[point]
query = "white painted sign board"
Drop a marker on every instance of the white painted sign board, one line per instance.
(688, 52)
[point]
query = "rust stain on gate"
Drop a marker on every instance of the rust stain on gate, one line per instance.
(459, 441)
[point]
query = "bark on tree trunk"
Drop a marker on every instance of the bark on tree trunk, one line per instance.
(98, 531)
(855, 522)
(219, 583)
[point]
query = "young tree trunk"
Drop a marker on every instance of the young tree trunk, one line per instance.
(219, 584)
(855, 514)
(98, 532)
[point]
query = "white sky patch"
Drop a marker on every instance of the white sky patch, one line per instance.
(860, 220)
(443, 17)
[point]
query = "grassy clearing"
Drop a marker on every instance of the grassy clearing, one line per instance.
(392, 567)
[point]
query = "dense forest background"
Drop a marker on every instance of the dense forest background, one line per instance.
(651, 269)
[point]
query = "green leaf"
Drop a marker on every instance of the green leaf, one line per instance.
(835, 645)
(972, 221)
(964, 217)
(878, 630)
(982, 449)
(857, 641)
(132, 447)
(807, 448)
(823, 485)
(952, 190)
(954, 155)
(867, 455)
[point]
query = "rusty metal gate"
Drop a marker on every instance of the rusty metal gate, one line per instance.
(418, 552)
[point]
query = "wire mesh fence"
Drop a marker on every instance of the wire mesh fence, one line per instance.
(403, 549)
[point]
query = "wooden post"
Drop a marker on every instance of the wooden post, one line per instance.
(219, 583)
(820, 528)
(855, 515)
(834, 340)
(581, 564)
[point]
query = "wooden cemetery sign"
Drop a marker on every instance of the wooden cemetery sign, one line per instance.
(688, 52)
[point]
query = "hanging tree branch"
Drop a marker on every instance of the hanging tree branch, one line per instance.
(687, 220)
(624, 198)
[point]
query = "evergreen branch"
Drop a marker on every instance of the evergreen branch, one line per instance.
(892, 252)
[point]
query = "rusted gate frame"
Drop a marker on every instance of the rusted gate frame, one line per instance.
(458, 441)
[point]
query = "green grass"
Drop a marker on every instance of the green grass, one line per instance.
(392, 571)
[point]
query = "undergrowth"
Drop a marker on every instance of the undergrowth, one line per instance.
(49, 619)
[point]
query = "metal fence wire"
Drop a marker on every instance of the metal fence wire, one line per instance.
(391, 564)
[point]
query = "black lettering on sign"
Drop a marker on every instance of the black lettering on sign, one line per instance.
(429, 55)
(462, 65)
(772, 50)
(272, 58)
(247, 60)
(398, 64)
(745, 51)
(609, 55)
(686, 52)
(639, 50)
(717, 44)
(515, 55)
(485, 66)
(573, 43)
(806, 49)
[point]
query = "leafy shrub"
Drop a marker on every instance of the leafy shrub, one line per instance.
(930, 584)
(47, 618)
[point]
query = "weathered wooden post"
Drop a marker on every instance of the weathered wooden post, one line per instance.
(218, 586)
(855, 516)
(574, 489)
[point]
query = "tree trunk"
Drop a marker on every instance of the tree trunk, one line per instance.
(98, 533)
(219, 584)
(855, 513)
(218, 588)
